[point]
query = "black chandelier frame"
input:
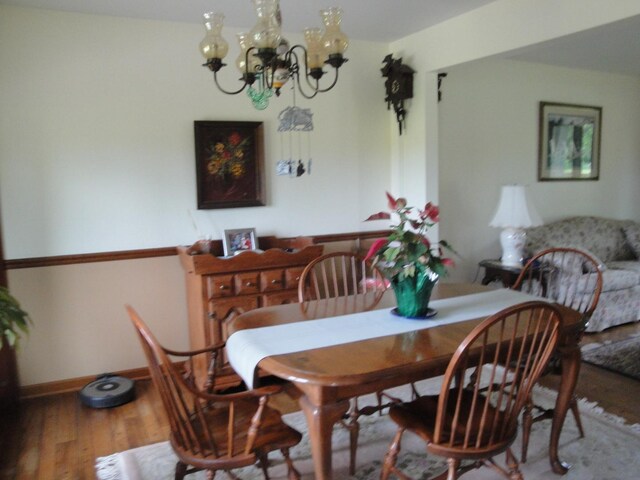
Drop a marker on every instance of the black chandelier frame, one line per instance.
(271, 61)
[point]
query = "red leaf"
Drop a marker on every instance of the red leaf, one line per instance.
(375, 247)
(396, 204)
(431, 211)
(392, 201)
(379, 216)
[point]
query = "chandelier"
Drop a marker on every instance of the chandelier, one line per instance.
(266, 62)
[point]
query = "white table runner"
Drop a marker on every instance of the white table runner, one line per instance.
(246, 348)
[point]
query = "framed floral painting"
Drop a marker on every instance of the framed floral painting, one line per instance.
(229, 164)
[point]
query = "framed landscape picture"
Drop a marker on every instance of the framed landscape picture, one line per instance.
(569, 142)
(229, 164)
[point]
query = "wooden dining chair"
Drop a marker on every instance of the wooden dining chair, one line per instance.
(572, 278)
(357, 286)
(339, 275)
(212, 431)
(467, 422)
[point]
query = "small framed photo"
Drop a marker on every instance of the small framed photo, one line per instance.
(239, 240)
(569, 142)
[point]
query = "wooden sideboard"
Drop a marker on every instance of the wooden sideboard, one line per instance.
(221, 288)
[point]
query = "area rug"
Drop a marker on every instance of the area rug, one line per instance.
(609, 451)
(621, 356)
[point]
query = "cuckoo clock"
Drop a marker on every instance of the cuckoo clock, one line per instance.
(399, 86)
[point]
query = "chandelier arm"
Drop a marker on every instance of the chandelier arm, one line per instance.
(215, 78)
(333, 84)
(302, 92)
(294, 67)
(291, 58)
(268, 75)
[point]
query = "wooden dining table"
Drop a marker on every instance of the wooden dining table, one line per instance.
(329, 377)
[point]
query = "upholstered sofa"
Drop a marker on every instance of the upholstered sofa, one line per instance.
(615, 245)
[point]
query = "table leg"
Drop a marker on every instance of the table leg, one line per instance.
(570, 358)
(320, 421)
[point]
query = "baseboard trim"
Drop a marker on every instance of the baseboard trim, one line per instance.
(75, 384)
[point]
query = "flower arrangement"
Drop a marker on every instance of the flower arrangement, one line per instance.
(228, 157)
(407, 252)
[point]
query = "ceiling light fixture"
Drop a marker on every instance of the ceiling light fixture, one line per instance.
(266, 62)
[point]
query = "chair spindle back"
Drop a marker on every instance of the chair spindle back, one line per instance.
(340, 274)
(190, 415)
(524, 335)
(567, 276)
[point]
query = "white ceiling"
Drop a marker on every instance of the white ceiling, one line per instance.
(613, 48)
(375, 20)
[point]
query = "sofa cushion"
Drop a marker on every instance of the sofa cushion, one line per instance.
(601, 236)
(632, 235)
(613, 279)
(631, 265)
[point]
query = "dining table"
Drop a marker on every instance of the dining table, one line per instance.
(328, 376)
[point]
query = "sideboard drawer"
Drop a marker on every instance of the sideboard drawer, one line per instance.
(247, 283)
(292, 277)
(271, 280)
(220, 286)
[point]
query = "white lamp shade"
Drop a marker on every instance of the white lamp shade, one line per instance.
(514, 210)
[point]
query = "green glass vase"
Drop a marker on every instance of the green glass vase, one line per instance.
(413, 294)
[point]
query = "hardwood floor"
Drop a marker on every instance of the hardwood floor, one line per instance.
(59, 438)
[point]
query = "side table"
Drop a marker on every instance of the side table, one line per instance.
(495, 270)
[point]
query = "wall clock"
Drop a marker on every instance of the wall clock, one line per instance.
(398, 86)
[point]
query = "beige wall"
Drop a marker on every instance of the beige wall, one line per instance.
(97, 147)
(80, 324)
(489, 137)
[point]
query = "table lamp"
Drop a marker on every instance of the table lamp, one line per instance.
(514, 213)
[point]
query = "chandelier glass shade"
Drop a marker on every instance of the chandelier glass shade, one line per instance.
(266, 61)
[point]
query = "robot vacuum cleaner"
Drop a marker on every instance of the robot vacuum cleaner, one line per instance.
(107, 391)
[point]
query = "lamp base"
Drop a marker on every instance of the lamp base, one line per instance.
(512, 241)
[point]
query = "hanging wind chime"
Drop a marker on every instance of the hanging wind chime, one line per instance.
(295, 127)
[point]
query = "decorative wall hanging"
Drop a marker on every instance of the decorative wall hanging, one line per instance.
(295, 127)
(266, 62)
(569, 142)
(229, 164)
(399, 86)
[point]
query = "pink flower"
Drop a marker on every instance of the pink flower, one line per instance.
(431, 212)
(375, 247)
(447, 262)
(396, 204)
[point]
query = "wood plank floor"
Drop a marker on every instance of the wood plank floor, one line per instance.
(58, 438)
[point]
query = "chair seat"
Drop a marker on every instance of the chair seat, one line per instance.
(419, 416)
(273, 434)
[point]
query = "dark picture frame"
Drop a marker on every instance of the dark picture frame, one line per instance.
(569, 142)
(239, 240)
(229, 164)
